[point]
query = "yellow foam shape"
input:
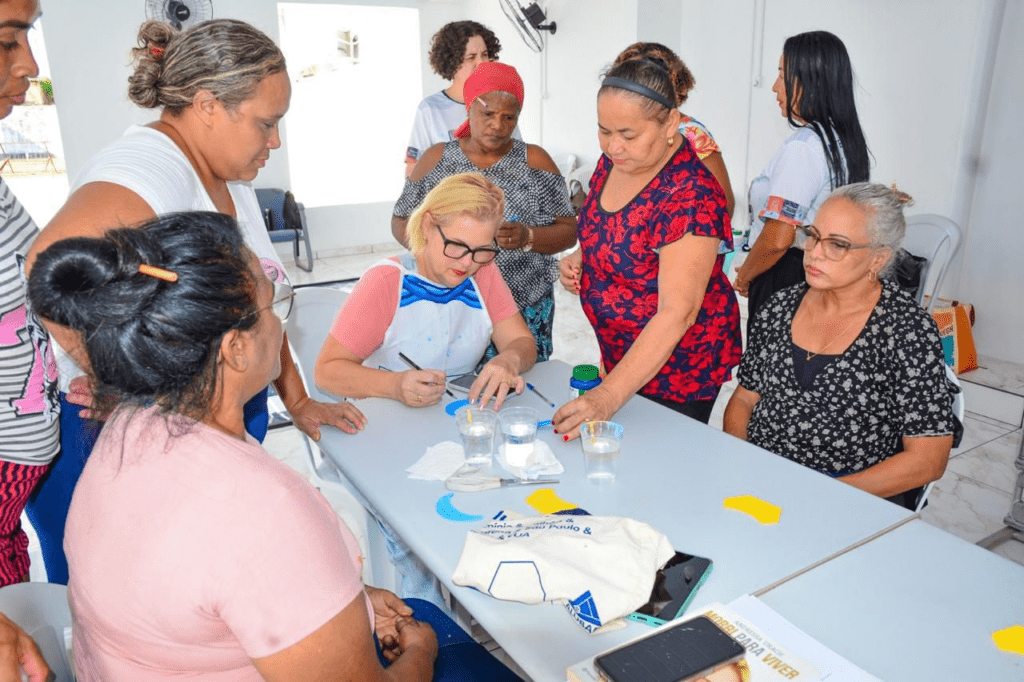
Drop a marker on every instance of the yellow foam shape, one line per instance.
(1011, 639)
(546, 501)
(762, 511)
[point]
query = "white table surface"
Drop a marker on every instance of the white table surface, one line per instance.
(673, 473)
(915, 604)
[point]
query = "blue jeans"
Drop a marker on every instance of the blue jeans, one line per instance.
(47, 507)
(459, 657)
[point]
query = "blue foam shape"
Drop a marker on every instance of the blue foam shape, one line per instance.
(455, 405)
(447, 510)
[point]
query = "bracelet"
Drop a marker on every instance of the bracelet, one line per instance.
(529, 240)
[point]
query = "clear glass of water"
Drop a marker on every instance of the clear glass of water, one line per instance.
(519, 429)
(477, 430)
(601, 444)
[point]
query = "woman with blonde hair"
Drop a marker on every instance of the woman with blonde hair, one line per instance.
(222, 89)
(440, 305)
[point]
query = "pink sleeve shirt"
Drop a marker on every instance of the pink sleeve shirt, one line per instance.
(368, 311)
(192, 551)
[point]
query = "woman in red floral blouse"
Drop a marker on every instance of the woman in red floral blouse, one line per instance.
(653, 233)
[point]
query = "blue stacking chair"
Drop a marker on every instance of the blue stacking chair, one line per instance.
(272, 206)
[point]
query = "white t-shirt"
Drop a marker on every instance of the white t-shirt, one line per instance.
(150, 164)
(793, 185)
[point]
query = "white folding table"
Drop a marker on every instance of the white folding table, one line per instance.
(674, 474)
(915, 605)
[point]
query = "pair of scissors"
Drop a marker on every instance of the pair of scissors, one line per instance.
(476, 481)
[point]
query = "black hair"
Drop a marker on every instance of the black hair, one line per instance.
(655, 67)
(817, 65)
(448, 46)
(149, 340)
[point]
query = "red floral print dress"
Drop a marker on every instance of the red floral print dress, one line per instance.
(619, 279)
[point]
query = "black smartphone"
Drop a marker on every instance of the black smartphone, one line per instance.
(687, 651)
(674, 587)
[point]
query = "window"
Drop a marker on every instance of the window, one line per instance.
(356, 82)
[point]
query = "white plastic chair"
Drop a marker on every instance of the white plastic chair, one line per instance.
(958, 410)
(936, 238)
(312, 315)
(41, 610)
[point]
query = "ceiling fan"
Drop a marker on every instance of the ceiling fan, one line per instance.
(529, 21)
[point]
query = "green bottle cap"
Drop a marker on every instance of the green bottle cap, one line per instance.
(585, 372)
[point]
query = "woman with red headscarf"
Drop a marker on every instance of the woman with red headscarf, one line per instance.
(539, 220)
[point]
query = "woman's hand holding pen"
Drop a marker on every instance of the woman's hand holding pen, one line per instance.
(420, 387)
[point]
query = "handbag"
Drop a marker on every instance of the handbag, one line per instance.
(955, 322)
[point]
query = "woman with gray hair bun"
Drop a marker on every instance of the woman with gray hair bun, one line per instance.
(845, 373)
(222, 89)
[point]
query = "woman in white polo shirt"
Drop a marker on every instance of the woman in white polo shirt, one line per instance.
(814, 90)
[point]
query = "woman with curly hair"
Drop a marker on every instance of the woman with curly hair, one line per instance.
(455, 51)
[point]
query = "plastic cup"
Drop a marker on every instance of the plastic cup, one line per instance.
(601, 443)
(519, 429)
(477, 430)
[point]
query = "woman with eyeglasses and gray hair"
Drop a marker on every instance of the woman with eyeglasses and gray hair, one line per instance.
(845, 374)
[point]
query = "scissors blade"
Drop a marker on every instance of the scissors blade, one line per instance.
(517, 481)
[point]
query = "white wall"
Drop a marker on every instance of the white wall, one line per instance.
(920, 66)
(992, 277)
(914, 86)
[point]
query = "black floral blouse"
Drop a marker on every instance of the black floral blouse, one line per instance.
(889, 384)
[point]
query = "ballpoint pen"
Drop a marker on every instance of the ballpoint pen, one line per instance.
(406, 360)
(540, 395)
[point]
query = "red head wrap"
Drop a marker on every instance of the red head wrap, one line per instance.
(490, 77)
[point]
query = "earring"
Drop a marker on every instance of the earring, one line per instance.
(671, 140)
(872, 275)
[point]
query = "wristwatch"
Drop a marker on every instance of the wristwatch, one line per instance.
(529, 240)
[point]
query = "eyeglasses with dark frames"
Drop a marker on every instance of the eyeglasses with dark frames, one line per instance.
(456, 250)
(807, 237)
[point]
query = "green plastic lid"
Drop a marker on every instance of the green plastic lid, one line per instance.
(585, 372)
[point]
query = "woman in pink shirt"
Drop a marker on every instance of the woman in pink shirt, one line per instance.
(191, 550)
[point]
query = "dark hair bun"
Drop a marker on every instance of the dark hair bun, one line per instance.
(149, 340)
(82, 282)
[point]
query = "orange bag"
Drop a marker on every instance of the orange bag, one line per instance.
(955, 322)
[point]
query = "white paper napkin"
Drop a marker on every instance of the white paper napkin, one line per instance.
(541, 462)
(438, 462)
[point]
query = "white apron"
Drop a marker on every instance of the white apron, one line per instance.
(434, 326)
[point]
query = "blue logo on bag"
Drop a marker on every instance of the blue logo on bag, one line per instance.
(584, 610)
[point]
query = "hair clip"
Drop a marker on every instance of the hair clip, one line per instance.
(159, 273)
(157, 52)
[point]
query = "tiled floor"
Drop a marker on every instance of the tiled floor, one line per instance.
(970, 500)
